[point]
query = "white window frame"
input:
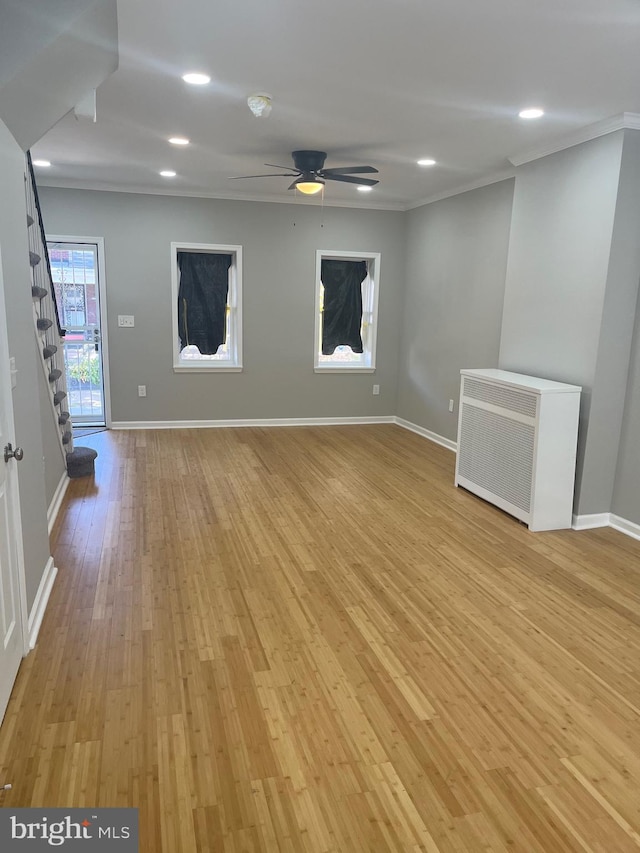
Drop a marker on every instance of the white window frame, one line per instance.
(370, 293)
(233, 364)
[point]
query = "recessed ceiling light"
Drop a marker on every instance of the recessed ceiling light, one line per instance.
(364, 189)
(167, 173)
(196, 78)
(43, 163)
(179, 140)
(427, 162)
(531, 112)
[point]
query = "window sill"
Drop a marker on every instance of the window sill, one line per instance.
(208, 368)
(347, 369)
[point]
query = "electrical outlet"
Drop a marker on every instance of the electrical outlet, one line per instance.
(126, 321)
(142, 390)
(450, 405)
(376, 390)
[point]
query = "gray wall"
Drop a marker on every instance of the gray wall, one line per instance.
(561, 230)
(610, 387)
(54, 462)
(456, 261)
(572, 279)
(27, 415)
(279, 243)
(626, 496)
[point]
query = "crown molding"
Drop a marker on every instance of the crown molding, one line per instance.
(485, 181)
(624, 121)
(312, 201)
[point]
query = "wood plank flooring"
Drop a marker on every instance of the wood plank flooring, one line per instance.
(306, 639)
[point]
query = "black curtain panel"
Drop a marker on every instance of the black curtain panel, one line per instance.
(342, 316)
(202, 300)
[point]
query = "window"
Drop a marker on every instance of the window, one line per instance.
(73, 271)
(206, 286)
(346, 311)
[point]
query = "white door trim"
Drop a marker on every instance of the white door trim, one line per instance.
(104, 331)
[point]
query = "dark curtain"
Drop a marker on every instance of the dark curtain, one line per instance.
(202, 300)
(342, 316)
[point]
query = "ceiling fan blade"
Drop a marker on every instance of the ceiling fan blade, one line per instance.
(270, 175)
(349, 170)
(292, 186)
(278, 166)
(347, 179)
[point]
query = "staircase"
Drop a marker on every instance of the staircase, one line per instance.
(49, 333)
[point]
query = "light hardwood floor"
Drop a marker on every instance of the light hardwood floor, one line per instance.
(307, 639)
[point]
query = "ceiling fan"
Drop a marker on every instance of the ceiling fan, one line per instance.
(310, 176)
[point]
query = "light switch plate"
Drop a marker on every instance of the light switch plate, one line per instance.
(126, 321)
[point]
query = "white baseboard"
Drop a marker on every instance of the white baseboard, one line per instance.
(606, 519)
(251, 422)
(426, 433)
(624, 526)
(588, 522)
(56, 501)
(274, 422)
(40, 602)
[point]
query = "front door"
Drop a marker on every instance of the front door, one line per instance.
(11, 624)
(75, 274)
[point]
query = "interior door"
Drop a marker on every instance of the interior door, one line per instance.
(75, 274)
(11, 624)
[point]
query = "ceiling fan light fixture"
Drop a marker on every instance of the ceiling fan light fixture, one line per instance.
(260, 104)
(310, 185)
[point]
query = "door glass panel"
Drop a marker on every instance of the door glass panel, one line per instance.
(74, 270)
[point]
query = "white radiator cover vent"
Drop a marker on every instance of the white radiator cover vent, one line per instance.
(502, 396)
(517, 439)
(498, 453)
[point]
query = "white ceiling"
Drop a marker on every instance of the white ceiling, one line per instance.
(376, 82)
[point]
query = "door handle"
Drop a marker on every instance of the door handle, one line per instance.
(10, 453)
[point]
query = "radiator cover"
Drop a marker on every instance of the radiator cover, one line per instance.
(517, 439)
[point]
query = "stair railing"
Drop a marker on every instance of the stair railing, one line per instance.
(47, 322)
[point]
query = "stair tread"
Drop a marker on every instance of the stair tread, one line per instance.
(34, 259)
(63, 417)
(30, 220)
(44, 323)
(38, 292)
(66, 437)
(55, 374)
(58, 397)
(49, 350)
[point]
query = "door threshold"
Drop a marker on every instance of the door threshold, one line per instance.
(79, 431)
